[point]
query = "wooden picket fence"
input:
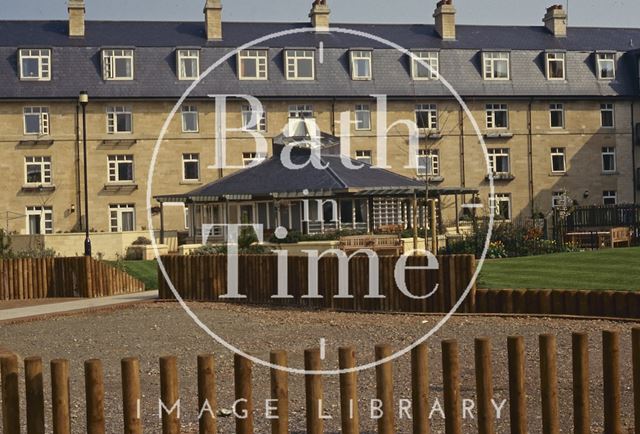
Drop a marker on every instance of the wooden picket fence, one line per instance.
(204, 278)
(206, 379)
(24, 279)
(602, 304)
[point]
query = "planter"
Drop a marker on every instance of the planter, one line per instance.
(146, 253)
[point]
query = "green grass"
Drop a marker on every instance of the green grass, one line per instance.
(145, 271)
(616, 269)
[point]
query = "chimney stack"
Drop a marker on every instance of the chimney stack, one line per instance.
(76, 18)
(213, 19)
(445, 16)
(319, 15)
(556, 21)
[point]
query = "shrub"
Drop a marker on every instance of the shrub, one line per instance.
(142, 241)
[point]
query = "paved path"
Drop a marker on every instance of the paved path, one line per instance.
(76, 305)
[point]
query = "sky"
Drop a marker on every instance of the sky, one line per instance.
(602, 13)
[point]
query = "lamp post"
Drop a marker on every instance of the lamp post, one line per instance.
(83, 99)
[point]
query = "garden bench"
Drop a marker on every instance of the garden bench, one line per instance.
(620, 235)
(597, 239)
(381, 244)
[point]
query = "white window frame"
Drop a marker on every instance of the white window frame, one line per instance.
(431, 58)
(109, 59)
(609, 151)
(119, 210)
(301, 111)
(262, 64)
(609, 194)
(494, 154)
(489, 61)
(431, 113)
(491, 110)
(112, 119)
(364, 156)
(496, 201)
(558, 108)
(44, 164)
(554, 57)
(43, 115)
(364, 110)
(190, 158)
(43, 56)
(608, 107)
(556, 198)
(184, 54)
(246, 117)
(292, 57)
(113, 166)
(559, 152)
(601, 59)
(250, 159)
(190, 110)
(46, 218)
(432, 155)
(361, 55)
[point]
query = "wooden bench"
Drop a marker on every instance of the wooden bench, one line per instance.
(381, 244)
(620, 235)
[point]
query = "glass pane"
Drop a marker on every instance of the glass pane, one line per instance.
(33, 173)
(127, 221)
(191, 170)
(34, 224)
(125, 172)
(305, 68)
(32, 124)
(30, 68)
(124, 122)
(346, 212)
(501, 69)
(123, 68)
(190, 121)
(249, 68)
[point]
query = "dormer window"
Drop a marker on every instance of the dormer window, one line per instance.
(188, 64)
(117, 64)
(496, 66)
(555, 65)
(606, 63)
(419, 69)
(35, 64)
(300, 64)
(252, 65)
(361, 65)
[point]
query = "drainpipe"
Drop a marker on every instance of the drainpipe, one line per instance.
(461, 127)
(634, 141)
(530, 156)
(333, 117)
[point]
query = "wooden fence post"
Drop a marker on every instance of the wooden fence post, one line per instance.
(611, 378)
(517, 387)
(60, 399)
(94, 393)
(34, 384)
(549, 384)
(169, 395)
(420, 389)
(580, 350)
(131, 396)
(313, 392)
(10, 394)
(451, 384)
(207, 399)
(244, 394)
(384, 390)
(348, 392)
(280, 393)
(484, 386)
(635, 351)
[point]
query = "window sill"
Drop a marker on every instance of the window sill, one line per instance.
(498, 135)
(434, 179)
(33, 143)
(120, 187)
(430, 134)
(616, 173)
(38, 188)
(119, 142)
(194, 182)
(502, 177)
(558, 174)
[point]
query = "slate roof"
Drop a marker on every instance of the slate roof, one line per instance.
(76, 62)
(271, 177)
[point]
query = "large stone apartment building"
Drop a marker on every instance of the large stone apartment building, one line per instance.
(557, 107)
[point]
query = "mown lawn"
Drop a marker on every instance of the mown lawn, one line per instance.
(616, 269)
(145, 271)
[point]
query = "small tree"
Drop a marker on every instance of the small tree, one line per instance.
(5, 244)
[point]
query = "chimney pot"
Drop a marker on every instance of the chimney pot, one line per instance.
(213, 19)
(445, 16)
(76, 11)
(320, 15)
(555, 20)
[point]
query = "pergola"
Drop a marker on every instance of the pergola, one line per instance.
(312, 198)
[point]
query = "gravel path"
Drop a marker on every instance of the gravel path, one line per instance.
(152, 330)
